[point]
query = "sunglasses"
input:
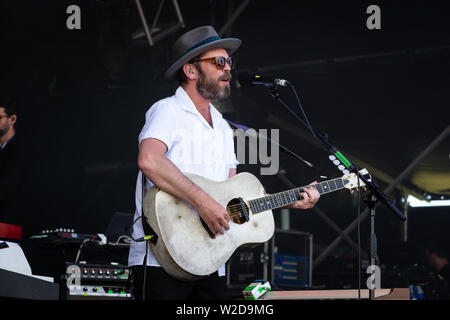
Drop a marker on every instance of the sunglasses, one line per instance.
(220, 62)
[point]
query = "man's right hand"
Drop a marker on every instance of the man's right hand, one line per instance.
(163, 173)
(214, 215)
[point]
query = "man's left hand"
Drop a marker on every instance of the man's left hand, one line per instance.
(309, 198)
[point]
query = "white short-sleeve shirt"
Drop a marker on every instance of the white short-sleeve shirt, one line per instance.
(192, 145)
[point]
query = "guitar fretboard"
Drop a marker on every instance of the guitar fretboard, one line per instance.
(288, 197)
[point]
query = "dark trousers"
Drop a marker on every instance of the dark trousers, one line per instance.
(161, 286)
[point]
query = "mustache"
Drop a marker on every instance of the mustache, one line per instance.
(226, 76)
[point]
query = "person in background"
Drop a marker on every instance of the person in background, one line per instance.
(436, 255)
(12, 163)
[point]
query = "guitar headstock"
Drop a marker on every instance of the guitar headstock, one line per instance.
(350, 180)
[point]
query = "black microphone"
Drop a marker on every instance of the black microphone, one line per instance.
(248, 79)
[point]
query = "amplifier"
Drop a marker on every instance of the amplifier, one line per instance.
(292, 254)
(248, 264)
(97, 281)
(63, 235)
(285, 260)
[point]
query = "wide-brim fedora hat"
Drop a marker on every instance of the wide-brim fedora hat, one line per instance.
(196, 42)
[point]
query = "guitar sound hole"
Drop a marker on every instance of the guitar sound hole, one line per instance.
(238, 211)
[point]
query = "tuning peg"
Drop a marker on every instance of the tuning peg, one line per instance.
(346, 171)
(341, 167)
(331, 157)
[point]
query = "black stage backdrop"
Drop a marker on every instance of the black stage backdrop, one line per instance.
(381, 95)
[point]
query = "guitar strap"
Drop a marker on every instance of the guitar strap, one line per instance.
(148, 231)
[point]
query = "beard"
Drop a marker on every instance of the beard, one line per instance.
(211, 89)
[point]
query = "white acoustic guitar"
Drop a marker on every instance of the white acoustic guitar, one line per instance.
(186, 248)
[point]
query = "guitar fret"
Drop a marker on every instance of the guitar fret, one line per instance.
(261, 205)
(332, 185)
(294, 195)
(272, 202)
(336, 182)
(265, 205)
(283, 198)
(277, 198)
(326, 187)
(291, 196)
(252, 203)
(287, 197)
(251, 206)
(255, 205)
(319, 188)
(258, 207)
(297, 195)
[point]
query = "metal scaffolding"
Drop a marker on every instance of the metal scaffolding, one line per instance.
(148, 32)
(161, 32)
(387, 190)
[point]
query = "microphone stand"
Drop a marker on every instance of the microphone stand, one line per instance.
(375, 195)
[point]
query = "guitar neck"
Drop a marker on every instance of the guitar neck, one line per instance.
(288, 197)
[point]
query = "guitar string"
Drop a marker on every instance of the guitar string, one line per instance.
(242, 206)
(235, 209)
(299, 190)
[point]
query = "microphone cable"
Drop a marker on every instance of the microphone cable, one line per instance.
(145, 238)
(283, 148)
(307, 124)
(303, 111)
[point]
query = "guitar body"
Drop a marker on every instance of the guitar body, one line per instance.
(184, 247)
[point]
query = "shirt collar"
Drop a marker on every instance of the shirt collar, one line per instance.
(187, 105)
(185, 102)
